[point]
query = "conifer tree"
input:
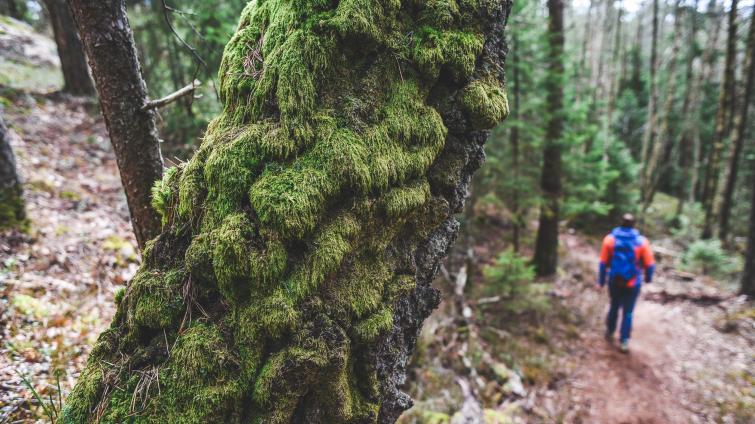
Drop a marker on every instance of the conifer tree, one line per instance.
(546, 244)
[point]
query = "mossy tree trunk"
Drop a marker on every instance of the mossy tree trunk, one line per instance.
(73, 61)
(739, 136)
(723, 121)
(293, 270)
(12, 213)
(546, 244)
(109, 44)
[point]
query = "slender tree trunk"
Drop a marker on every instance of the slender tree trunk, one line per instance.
(583, 69)
(722, 128)
(738, 137)
(109, 44)
(73, 61)
(648, 137)
(12, 213)
(709, 64)
(747, 285)
(294, 269)
(664, 142)
(515, 207)
(546, 244)
(615, 77)
(692, 85)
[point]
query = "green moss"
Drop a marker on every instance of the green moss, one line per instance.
(378, 323)
(162, 193)
(456, 51)
(285, 238)
(154, 299)
(12, 212)
(403, 200)
(485, 101)
(86, 396)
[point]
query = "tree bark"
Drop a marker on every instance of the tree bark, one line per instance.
(747, 285)
(648, 136)
(109, 43)
(294, 268)
(546, 244)
(515, 206)
(664, 143)
(12, 213)
(738, 136)
(692, 87)
(73, 61)
(726, 94)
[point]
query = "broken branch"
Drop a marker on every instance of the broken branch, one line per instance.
(170, 98)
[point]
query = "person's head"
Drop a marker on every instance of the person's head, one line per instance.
(627, 220)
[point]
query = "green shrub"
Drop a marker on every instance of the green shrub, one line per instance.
(511, 278)
(709, 258)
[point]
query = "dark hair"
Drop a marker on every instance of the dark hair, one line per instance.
(627, 220)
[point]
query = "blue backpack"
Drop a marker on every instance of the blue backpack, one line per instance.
(624, 260)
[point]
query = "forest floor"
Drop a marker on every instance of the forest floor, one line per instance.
(57, 282)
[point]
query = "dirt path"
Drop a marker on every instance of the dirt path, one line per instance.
(681, 368)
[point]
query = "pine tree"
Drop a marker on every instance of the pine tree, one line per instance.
(546, 244)
(293, 270)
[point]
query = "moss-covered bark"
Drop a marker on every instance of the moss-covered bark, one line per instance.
(12, 211)
(298, 246)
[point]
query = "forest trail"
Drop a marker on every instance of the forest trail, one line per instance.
(680, 368)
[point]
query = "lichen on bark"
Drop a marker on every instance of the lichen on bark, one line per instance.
(293, 270)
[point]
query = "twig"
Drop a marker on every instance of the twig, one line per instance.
(170, 98)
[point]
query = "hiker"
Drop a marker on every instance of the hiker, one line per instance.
(624, 255)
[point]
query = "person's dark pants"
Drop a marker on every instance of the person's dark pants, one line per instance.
(621, 298)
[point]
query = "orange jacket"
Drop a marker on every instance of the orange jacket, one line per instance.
(642, 252)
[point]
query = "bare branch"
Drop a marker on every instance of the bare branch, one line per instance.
(170, 98)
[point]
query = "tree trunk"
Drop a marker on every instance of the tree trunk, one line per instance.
(614, 80)
(738, 137)
(109, 44)
(747, 285)
(722, 128)
(546, 244)
(73, 61)
(663, 145)
(648, 137)
(12, 214)
(692, 85)
(294, 269)
(14, 8)
(515, 142)
(709, 64)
